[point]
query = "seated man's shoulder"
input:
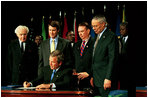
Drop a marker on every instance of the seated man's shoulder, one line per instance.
(67, 70)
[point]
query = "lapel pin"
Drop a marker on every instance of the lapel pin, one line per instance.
(103, 36)
(86, 46)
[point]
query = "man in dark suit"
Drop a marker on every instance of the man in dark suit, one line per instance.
(60, 79)
(54, 43)
(123, 57)
(22, 58)
(71, 37)
(105, 54)
(83, 60)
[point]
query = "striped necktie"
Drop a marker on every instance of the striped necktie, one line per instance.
(82, 48)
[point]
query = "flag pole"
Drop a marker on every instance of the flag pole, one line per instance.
(65, 30)
(92, 33)
(43, 29)
(75, 27)
(104, 8)
(123, 17)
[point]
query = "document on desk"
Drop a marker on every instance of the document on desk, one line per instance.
(26, 88)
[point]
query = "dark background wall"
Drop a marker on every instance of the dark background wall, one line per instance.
(20, 12)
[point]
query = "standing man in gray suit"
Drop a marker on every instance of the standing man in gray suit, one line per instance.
(54, 43)
(104, 58)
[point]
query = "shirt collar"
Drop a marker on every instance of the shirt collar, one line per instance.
(21, 42)
(56, 39)
(102, 32)
(86, 40)
(57, 69)
(126, 37)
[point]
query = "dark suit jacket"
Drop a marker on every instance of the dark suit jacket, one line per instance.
(83, 64)
(61, 78)
(123, 65)
(44, 52)
(20, 65)
(124, 48)
(105, 58)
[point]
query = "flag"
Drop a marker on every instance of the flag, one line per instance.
(65, 30)
(75, 29)
(123, 17)
(43, 29)
(92, 33)
(118, 25)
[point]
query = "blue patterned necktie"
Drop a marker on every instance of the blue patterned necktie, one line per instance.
(82, 48)
(52, 75)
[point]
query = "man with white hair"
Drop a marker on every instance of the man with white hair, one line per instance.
(22, 58)
(104, 58)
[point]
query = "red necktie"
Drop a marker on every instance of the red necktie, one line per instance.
(82, 48)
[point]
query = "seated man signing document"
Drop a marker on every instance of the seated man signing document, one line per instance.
(53, 76)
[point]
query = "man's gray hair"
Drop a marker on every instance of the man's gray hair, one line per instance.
(100, 18)
(21, 27)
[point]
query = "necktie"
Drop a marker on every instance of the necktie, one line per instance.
(52, 75)
(82, 48)
(22, 48)
(96, 42)
(123, 40)
(52, 45)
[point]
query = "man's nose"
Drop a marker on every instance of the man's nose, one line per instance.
(94, 28)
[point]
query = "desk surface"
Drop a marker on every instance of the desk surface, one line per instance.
(43, 93)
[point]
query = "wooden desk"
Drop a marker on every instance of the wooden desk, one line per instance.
(43, 93)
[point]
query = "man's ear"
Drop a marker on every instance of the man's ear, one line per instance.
(60, 63)
(17, 35)
(88, 30)
(58, 31)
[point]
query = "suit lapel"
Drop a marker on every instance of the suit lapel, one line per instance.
(77, 47)
(87, 46)
(18, 49)
(27, 47)
(59, 45)
(47, 46)
(101, 40)
(57, 75)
